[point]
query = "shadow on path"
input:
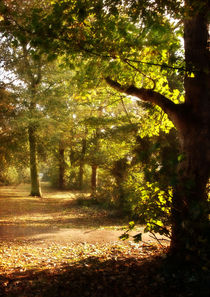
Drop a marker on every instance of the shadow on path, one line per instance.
(56, 217)
(111, 278)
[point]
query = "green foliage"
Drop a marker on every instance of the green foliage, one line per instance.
(10, 176)
(87, 202)
(124, 236)
(14, 175)
(147, 200)
(146, 188)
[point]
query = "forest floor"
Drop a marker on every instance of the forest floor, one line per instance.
(54, 246)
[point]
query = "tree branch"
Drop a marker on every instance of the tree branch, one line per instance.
(39, 73)
(156, 64)
(125, 110)
(126, 61)
(148, 95)
(27, 64)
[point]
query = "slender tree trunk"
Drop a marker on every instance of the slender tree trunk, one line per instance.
(35, 186)
(82, 163)
(81, 175)
(120, 194)
(94, 179)
(119, 171)
(61, 167)
(33, 76)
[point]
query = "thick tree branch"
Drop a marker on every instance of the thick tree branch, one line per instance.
(148, 95)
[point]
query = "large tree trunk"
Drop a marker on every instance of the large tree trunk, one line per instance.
(35, 186)
(190, 223)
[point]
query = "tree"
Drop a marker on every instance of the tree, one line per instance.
(29, 72)
(138, 38)
(190, 224)
(40, 86)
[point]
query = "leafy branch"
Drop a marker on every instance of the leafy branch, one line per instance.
(135, 68)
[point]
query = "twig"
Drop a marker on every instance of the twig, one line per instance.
(125, 109)
(157, 64)
(155, 237)
(135, 68)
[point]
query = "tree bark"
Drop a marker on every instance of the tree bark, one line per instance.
(61, 167)
(119, 171)
(190, 222)
(34, 79)
(94, 179)
(35, 186)
(81, 176)
(82, 163)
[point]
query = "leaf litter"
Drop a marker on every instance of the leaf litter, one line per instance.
(28, 270)
(39, 268)
(22, 256)
(84, 269)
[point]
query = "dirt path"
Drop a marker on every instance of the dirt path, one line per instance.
(55, 218)
(55, 247)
